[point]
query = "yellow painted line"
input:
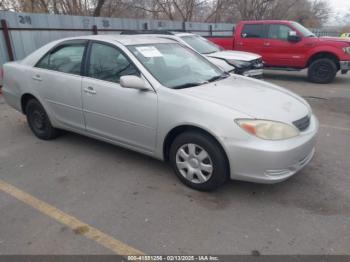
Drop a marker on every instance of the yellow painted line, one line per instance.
(75, 224)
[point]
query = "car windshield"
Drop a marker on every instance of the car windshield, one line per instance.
(175, 66)
(200, 44)
(305, 32)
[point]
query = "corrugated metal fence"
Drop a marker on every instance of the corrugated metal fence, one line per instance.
(27, 31)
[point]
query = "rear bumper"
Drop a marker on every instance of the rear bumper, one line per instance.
(344, 65)
(269, 162)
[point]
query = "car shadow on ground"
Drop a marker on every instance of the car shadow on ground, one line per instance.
(288, 76)
(305, 190)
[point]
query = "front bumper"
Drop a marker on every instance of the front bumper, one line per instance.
(254, 69)
(268, 162)
(344, 65)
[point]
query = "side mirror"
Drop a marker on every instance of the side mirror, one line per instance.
(134, 82)
(293, 37)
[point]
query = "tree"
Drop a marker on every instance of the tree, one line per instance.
(98, 7)
(312, 13)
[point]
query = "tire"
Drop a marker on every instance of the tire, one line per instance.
(39, 122)
(322, 71)
(187, 158)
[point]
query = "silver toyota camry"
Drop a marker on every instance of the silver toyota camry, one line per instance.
(160, 98)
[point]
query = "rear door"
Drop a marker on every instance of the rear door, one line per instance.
(278, 51)
(251, 38)
(58, 80)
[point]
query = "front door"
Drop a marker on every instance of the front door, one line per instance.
(279, 51)
(126, 116)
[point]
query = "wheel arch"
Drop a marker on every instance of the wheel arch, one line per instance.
(324, 54)
(24, 100)
(176, 131)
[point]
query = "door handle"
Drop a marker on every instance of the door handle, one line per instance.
(37, 78)
(90, 90)
(240, 43)
(266, 44)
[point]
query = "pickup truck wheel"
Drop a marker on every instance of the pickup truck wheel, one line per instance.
(322, 71)
(198, 161)
(39, 122)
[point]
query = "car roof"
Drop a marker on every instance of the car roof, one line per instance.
(124, 39)
(267, 21)
(159, 32)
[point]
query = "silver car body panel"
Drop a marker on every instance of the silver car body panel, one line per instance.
(141, 120)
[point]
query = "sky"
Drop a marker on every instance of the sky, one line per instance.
(339, 7)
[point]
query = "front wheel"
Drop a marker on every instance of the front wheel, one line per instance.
(322, 71)
(39, 122)
(198, 161)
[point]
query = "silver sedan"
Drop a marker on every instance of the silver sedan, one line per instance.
(160, 98)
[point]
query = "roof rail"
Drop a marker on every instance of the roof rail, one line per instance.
(145, 32)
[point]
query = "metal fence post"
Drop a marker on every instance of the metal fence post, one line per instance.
(145, 26)
(184, 26)
(5, 31)
(94, 30)
(211, 30)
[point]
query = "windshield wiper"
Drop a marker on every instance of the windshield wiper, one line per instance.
(222, 76)
(188, 85)
(208, 53)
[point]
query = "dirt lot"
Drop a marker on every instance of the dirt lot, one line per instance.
(138, 201)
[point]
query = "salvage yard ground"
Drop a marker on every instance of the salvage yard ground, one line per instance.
(129, 199)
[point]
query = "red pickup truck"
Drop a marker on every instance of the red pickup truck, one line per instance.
(287, 45)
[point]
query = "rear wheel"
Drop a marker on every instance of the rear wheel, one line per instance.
(198, 161)
(322, 71)
(39, 122)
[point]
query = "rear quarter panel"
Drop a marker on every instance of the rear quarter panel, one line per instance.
(16, 82)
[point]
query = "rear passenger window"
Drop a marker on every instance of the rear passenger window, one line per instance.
(253, 31)
(65, 58)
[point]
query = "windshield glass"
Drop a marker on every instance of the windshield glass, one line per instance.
(200, 44)
(175, 66)
(305, 32)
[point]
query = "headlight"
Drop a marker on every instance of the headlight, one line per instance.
(269, 130)
(347, 50)
(238, 63)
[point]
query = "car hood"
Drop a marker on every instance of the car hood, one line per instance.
(255, 98)
(235, 55)
(334, 39)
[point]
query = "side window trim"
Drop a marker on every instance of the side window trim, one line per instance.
(88, 57)
(61, 45)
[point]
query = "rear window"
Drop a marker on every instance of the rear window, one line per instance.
(253, 31)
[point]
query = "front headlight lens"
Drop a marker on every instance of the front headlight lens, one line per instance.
(347, 50)
(269, 130)
(238, 63)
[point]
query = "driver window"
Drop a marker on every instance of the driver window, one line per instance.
(280, 32)
(109, 63)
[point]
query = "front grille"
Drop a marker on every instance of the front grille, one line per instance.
(303, 123)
